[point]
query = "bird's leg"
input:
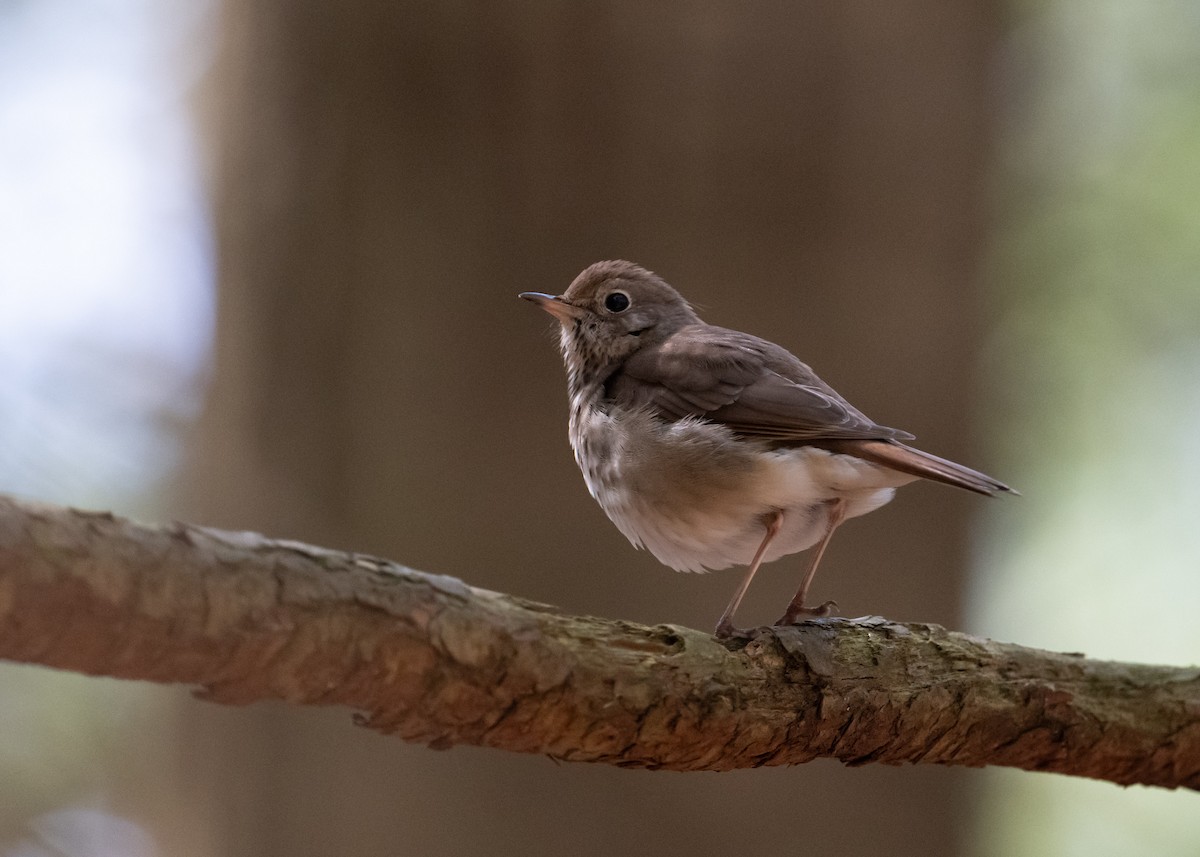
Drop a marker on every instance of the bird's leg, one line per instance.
(837, 514)
(725, 629)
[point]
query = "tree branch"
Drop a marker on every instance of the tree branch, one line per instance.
(430, 659)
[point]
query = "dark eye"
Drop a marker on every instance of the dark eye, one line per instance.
(616, 302)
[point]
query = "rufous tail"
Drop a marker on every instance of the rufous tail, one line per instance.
(915, 462)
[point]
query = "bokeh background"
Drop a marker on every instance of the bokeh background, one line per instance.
(258, 267)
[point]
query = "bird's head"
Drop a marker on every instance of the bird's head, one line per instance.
(610, 311)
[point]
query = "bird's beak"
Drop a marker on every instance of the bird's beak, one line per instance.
(555, 305)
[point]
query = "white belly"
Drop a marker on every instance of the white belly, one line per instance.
(696, 502)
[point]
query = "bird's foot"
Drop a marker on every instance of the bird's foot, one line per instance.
(726, 631)
(795, 615)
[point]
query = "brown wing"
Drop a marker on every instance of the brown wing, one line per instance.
(753, 386)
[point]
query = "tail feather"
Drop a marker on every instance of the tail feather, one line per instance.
(915, 462)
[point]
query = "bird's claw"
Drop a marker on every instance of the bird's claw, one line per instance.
(796, 615)
(726, 631)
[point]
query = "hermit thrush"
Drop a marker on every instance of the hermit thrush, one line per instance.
(710, 447)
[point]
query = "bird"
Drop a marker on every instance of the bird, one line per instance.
(710, 447)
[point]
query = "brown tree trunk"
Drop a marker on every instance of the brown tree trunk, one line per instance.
(390, 175)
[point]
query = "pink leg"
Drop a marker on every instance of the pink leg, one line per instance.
(837, 514)
(725, 627)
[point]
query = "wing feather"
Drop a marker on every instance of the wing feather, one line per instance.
(753, 386)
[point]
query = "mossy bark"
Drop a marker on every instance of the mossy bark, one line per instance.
(433, 660)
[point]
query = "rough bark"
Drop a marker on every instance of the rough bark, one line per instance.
(433, 660)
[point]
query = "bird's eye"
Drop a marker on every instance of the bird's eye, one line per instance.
(616, 302)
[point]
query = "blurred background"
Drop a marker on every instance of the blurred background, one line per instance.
(258, 267)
